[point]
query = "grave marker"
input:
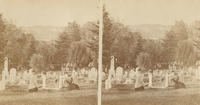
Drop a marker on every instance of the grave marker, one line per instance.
(119, 74)
(92, 76)
(112, 67)
(13, 75)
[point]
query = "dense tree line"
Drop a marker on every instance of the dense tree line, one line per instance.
(79, 45)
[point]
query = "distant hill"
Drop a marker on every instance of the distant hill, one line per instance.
(152, 31)
(47, 33)
(44, 33)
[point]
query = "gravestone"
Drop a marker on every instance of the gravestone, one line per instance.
(119, 74)
(181, 75)
(132, 74)
(112, 67)
(166, 80)
(13, 75)
(139, 78)
(108, 84)
(92, 76)
(2, 85)
(20, 79)
(170, 77)
(150, 76)
(44, 81)
(198, 73)
(75, 77)
(60, 81)
(33, 81)
(5, 73)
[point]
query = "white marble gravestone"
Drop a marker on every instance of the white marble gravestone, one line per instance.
(132, 74)
(60, 82)
(166, 80)
(139, 78)
(44, 81)
(150, 76)
(13, 75)
(92, 76)
(108, 84)
(119, 74)
(33, 81)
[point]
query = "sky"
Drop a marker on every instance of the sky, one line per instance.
(129, 12)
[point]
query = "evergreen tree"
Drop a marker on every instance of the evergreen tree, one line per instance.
(70, 35)
(178, 32)
(108, 38)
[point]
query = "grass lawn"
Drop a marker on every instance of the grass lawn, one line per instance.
(188, 96)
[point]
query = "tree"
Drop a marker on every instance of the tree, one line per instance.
(2, 39)
(63, 43)
(150, 56)
(37, 62)
(126, 47)
(195, 36)
(144, 61)
(73, 29)
(47, 50)
(80, 54)
(178, 32)
(186, 53)
(108, 38)
(19, 47)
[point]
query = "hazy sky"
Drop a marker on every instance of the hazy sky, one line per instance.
(130, 12)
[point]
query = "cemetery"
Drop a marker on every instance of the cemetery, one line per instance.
(99, 52)
(85, 80)
(61, 79)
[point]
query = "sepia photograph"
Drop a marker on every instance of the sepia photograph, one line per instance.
(99, 52)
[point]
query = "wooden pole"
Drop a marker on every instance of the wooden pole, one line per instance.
(100, 51)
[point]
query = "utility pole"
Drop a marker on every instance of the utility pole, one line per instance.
(100, 52)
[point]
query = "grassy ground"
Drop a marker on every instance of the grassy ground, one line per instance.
(188, 96)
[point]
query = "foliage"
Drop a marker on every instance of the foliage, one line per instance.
(80, 54)
(144, 61)
(126, 48)
(151, 55)
(19, 47)
(108, 37)
(37, 62)
(177, 33)
(63, 43)
(2, 39)
(186, 53)
(79, 45)
(47, 51)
